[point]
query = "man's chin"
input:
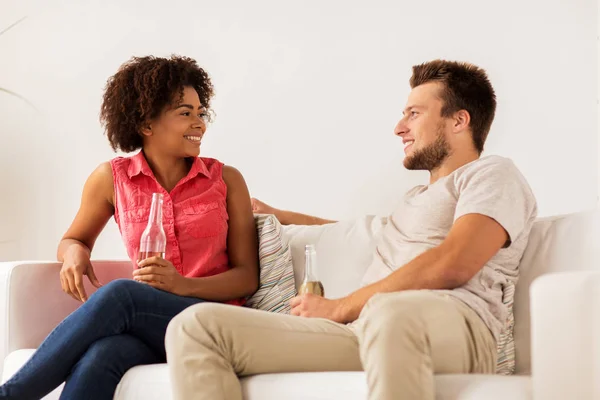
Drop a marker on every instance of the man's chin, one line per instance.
(409, 163)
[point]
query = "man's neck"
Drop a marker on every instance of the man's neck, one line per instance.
(451, 163)
(167, 170)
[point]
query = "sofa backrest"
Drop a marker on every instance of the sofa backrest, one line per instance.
(345, 249)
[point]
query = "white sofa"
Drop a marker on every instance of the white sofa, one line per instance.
(557, 329)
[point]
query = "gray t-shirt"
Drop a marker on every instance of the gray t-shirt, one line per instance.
(492, 186)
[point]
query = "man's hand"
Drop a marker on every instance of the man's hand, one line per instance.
(258, 207)
(287, 217)
(161, 274)
(313, 306)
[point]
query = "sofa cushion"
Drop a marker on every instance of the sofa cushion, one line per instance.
(344, 251)
(353, 386)
(277, 285)
(152, 382)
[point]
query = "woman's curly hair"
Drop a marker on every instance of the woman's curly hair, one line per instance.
(140, 91)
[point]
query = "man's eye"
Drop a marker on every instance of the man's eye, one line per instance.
(185, 113)
(202, 115)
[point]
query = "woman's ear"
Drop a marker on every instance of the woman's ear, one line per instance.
(146, 129)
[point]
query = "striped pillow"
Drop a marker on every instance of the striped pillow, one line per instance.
(277, 285)
(506, 343)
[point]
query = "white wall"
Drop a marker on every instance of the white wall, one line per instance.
(307, 96)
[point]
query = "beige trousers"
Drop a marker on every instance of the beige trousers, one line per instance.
(400, 340)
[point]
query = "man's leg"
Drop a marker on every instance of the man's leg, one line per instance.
(407, 337)
(209, 345)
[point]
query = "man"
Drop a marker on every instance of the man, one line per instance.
(432, 300)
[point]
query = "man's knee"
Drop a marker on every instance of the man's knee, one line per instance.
(391, 316)
(199, 321)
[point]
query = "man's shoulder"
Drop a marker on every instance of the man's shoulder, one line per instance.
(492, 162)
(490, 168)
(497, 176)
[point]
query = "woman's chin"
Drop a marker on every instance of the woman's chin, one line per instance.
(192, 153)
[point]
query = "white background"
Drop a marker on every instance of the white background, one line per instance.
(308, 94)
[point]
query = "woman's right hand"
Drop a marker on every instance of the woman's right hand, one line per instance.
(77, 264)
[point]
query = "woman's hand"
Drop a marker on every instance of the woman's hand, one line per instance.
(76, 264)
(161, 274)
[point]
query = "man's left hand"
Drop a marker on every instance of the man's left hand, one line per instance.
(313, 306)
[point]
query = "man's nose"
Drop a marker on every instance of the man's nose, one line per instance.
(401, 128)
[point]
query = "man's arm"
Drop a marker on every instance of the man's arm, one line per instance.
(294, 218)
(288, 217)
(472, 241)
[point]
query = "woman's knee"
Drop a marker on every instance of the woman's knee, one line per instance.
(123, 288)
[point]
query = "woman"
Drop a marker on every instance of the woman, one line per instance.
(160, 106)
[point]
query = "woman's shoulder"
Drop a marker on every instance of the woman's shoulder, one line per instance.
(101, 179)
(211, 163)
(104, 168)
(102, 173)
(216, 167)
(231, 173)
(119, 162)
(233, 178)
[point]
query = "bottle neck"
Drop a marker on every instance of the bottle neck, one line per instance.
(155, 217)
(310, 271)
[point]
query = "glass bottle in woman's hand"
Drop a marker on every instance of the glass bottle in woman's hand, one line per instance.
(154, 241)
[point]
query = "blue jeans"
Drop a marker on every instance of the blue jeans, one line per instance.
(122, 325)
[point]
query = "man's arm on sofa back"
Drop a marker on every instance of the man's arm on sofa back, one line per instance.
(288, 217)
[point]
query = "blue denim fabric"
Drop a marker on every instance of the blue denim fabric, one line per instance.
(122, 325)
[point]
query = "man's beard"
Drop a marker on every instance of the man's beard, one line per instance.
(431, 157)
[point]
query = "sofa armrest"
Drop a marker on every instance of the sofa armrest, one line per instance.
(32, 302)
(565, 330)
